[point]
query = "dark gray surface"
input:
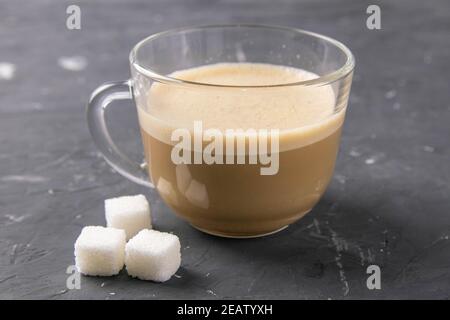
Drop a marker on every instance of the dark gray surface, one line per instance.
(394, 213)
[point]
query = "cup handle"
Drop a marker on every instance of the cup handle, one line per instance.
(97, 105)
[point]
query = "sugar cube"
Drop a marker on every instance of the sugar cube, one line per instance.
(153, 255)
(129, 213)
(100, 251)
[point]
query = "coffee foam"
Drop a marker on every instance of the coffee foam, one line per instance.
(302, 114)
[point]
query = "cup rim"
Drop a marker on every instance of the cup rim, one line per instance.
(328, 78)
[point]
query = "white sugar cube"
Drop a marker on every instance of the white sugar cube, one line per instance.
(100, 251)
(153, 255)
(129, 213)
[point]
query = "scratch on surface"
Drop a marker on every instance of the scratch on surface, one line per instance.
(319, 236)
(259, 276)
(211, 292)
(32, 293)
(12, 255)
(59, 293)
(317, 226)
(17, 219)
(250, 287)
(8, 278)
(340, 245)
(88, 188)
(361, 256)
(417, 256)
(202, 258)
(24, 178)
(369, 257)
(56, 162)
(345, 288)
(26, 254)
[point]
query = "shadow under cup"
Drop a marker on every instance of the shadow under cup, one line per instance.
(233, 200)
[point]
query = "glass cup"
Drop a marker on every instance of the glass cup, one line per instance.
(232, 199)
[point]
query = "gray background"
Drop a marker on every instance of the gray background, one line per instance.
(388, 203)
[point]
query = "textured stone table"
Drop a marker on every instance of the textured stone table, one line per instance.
(387, 205)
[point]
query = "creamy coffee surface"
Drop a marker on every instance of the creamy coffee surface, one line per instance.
(303, 114)
(235, 199)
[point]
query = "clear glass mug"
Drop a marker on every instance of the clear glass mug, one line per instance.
(231, 200)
